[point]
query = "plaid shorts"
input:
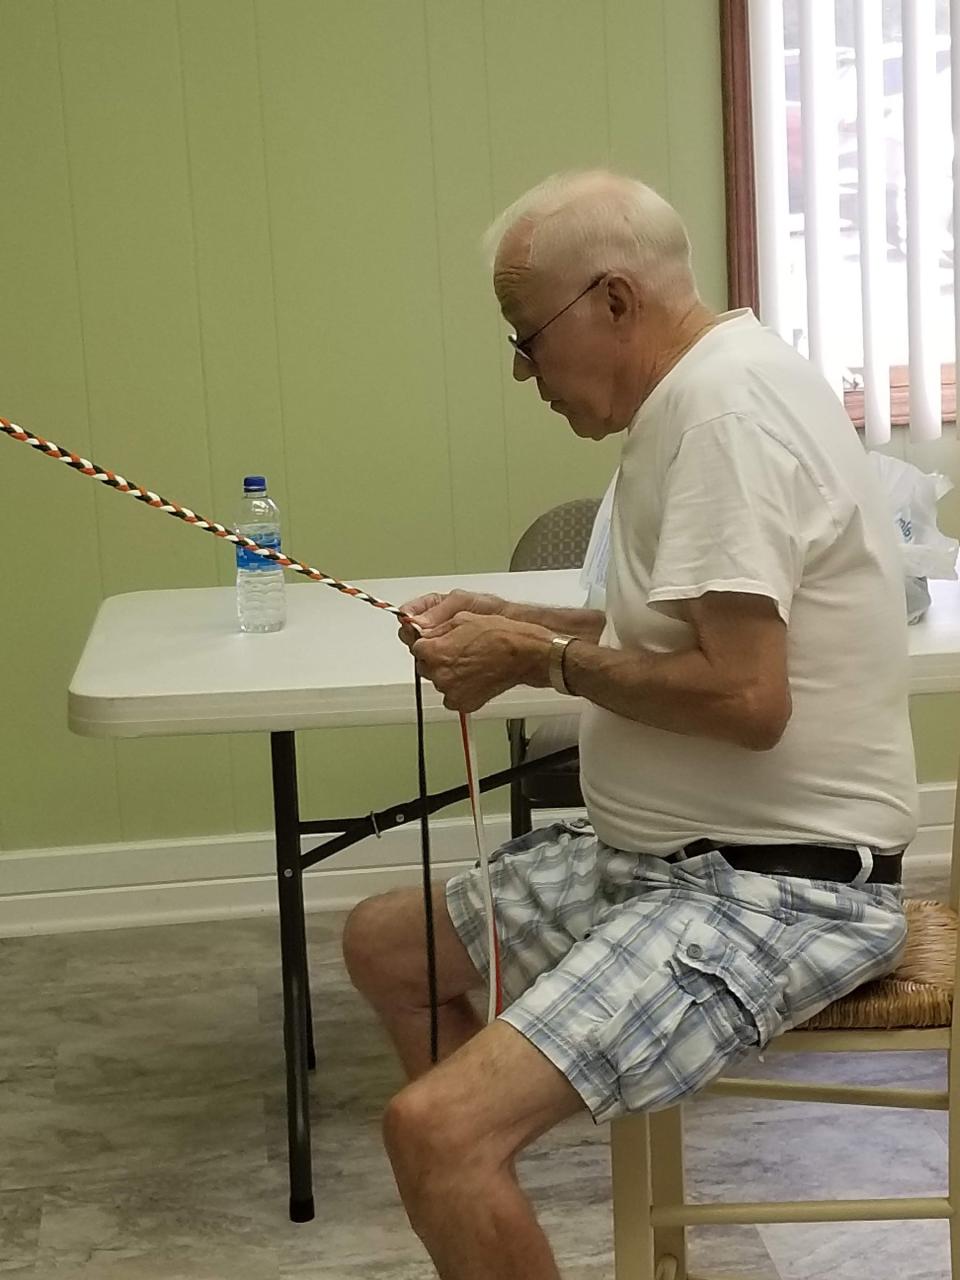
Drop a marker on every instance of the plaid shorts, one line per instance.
(642, 980)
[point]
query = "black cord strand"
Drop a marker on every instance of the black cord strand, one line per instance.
(427, 884)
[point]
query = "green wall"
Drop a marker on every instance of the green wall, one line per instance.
(242, 235)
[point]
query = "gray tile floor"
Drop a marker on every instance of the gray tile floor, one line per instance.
(142, 1131)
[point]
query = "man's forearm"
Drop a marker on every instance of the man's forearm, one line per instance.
(675, 691)
(585, 624)
(680, 692)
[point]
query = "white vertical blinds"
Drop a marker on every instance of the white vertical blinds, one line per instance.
(855, 106)
(955, 168)
(868, 48)
(818, 121)
(923, 250)
(770, 130)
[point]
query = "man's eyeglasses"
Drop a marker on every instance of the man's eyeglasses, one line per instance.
(522, 345)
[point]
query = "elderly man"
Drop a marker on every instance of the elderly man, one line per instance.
(745, 750)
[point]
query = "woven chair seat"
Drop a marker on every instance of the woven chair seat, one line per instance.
(919, 993)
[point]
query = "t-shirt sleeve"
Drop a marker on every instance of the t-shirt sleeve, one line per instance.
(732, 518)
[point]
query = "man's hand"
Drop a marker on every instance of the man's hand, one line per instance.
(472, 657)
(433, 610)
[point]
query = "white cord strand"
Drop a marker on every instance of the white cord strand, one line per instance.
(493, 950)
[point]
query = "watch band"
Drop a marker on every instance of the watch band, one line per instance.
(558, 647)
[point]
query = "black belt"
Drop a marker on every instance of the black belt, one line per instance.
(808, 861)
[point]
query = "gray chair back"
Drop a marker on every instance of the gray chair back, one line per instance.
(558, 539)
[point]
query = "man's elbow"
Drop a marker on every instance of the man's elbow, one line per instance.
(764, 719)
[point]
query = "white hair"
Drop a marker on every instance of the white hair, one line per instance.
(587, 223)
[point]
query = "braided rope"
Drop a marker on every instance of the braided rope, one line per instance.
(109, 478)
(51, 450)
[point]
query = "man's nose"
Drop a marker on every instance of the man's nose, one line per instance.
(522, 368)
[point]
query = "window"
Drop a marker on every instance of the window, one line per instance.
(839, 118)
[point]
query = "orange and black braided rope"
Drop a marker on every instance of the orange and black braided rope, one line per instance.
(114, 481)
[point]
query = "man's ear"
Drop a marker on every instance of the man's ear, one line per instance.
(622, 297)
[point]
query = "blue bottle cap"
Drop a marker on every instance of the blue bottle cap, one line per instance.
(254, 484)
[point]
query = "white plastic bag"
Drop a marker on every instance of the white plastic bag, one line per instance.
(912, 496)
(593, 575)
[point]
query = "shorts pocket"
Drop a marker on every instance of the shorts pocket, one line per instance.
(669, 1039)
(707, 964)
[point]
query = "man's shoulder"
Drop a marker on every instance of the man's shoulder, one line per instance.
(697, 426)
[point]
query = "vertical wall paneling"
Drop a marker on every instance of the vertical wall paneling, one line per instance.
(350, 173)
(548, 102)
(474, 336)
(136, 257)
(53, 788)
(695, 136)
(637, 90)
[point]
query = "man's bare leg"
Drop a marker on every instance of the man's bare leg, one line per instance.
(452, 1137)
(385, 951)
(453, 1134)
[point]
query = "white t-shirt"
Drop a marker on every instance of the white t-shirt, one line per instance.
(742, 472)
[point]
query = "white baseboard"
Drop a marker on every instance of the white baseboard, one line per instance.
(120, 886)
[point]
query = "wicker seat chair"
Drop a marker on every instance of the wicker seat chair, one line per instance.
(556, 540)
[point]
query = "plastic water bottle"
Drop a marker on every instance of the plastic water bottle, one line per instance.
(261, 605)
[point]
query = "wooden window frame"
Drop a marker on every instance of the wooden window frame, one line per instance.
(743, 275)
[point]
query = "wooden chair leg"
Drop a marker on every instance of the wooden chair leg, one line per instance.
(953, 1143)
(955, 852)
(666, 1175)
(632, 1198)
(953, 1063)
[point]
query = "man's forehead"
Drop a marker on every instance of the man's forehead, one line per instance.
(520, 290)
(511, 283)
(511, 268)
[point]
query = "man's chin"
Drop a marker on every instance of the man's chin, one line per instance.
(585, 428)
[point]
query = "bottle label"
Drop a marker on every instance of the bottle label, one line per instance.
(247, 559)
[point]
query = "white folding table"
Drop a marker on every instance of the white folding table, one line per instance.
(160, 663)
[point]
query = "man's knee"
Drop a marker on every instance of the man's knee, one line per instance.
(377, 933)
(384, 947)
(427, 1141)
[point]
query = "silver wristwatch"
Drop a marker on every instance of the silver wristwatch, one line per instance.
(558, 647)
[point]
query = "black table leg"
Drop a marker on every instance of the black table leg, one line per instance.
(293, 951)
(311, 1048)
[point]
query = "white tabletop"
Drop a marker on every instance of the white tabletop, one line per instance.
(173, 662)
(935, 643)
